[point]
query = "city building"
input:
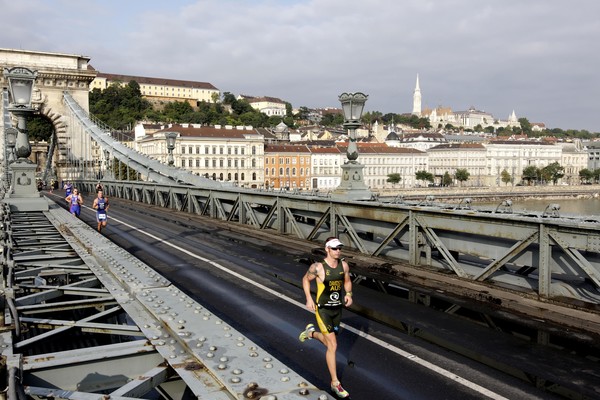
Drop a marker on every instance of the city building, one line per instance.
(381, 160)
(158, 90)
(271, 106)
(227, 154)
(448, 157)
(326, 171)
(574, 158)
(287, 166)
(513, 156)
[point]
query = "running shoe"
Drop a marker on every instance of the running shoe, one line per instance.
(305, 334)
(339, 391)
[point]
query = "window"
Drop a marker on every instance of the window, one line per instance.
(182, 149)
(221, 150)
(266, 171)
(253, 163)
(190, 162)
(229, 162)
(197, 149)
(206, 163)
(280, 171)
(221, 163)
(293, 171)
(214, 149)
(183, 163)
(267, 160)
(228, 150)
(253, 150)
(214, 163)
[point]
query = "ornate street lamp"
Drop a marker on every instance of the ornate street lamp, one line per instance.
(171, 137)
(107, 169)
(11, 141)
(9, 151)
(25, 196)
(20, 87)
(352, 186)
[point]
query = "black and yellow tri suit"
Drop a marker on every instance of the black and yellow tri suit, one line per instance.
(329, 298)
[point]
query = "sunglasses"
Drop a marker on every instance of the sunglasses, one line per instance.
(335, 248)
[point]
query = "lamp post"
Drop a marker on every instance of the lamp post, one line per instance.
(24, 196)
(9, 153)
(170, 137)
(352, 186)
(107, 169)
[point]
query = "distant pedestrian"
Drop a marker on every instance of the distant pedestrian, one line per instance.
(99, 187)
(68, 188)
(75, 202)
(332, 275)
(101, 206)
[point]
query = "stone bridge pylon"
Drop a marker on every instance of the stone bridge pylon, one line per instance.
(57, 73)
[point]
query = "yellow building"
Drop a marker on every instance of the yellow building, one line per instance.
(161, 89)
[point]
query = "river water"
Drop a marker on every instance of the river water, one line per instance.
(568, 207)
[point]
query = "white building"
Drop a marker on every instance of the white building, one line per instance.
(229, 154)
(381, 160)
(271, 106)
(326, 167)
(448, 157)
(574, 159)
(513, 156)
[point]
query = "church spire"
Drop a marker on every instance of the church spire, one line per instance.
(417, 99)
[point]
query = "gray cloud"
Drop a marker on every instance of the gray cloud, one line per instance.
(537, 57)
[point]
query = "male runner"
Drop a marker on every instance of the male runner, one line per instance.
(101, 207)
(331, 274)
(75, 201)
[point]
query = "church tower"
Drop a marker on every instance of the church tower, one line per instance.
(417, 99)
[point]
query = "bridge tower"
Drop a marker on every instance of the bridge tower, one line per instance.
(57, 73)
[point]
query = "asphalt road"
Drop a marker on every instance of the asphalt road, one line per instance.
(254, 285)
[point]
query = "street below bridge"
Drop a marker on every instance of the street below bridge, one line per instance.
(253, 282)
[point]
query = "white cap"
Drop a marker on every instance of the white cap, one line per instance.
(334, 243)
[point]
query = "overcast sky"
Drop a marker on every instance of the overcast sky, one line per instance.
(539, 58)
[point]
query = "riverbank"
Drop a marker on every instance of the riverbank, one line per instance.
(494, 193)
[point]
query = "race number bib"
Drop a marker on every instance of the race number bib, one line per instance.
(102, 216)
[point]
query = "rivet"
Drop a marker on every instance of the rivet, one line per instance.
(284, 371)
(222, 366)
(268, 365)
(213, 348)
(223, 359)
(267, 359)
(235, 379)
(237, 371)
(285, 379)
(210, 355)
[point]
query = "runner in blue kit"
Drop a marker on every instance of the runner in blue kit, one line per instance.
(101, 207)
(75, 201)
(332, 275)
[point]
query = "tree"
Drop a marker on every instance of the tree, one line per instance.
(586, 176)
(446, 179)
(525, 126)
(530, 174)
(424, 176)
(553, 172)
(506, 177)
(394, 178)
(462, 175)
(40, 128)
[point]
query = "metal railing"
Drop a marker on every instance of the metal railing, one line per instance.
(555, 257)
